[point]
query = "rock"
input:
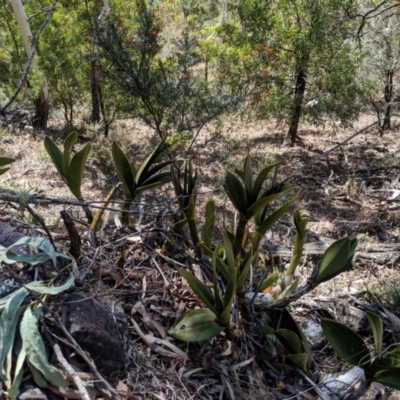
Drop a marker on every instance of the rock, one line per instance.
(350, 386)
(314, 333)
(98, 325)
(29, 391)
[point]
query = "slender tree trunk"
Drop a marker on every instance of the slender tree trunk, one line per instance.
(42, 107)
(94, 76)
(94, 85)
(388, 99)
(41, 103)
(297, 105)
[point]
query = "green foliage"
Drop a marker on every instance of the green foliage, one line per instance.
(8, 256)
(71, 169)
(33, 351)
(309, 54)
(187, 196)
(169, 84)
(336, 259)
(379, 367)
(291, 342)
(252, 199)
(5, 161)
(146, 177)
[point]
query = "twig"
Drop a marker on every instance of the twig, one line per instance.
(153, 258)
(67, 367)
(320, 393)
(42, 223)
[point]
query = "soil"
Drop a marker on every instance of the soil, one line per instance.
(352, 191)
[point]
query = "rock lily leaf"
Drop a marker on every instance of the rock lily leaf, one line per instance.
(209, 222)
(336, 259)
(346, 342)
(196, 326)
(5, 161)
(388, 377)
(376, 324)
(200, 289)
(389, 360)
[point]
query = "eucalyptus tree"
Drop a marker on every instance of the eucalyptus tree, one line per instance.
(314, 57)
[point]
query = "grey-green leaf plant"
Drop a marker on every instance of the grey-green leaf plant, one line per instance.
(32, 352)
(70, 167)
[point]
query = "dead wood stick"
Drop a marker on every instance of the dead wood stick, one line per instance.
(67, 367)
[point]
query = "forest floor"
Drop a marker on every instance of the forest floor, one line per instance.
(352, 191)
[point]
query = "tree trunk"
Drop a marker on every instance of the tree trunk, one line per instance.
(41, 104)
(94, 77)
(94, 86)
(297, 105)
(388, 99)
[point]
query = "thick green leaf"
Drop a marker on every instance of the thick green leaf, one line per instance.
(264, 201)
(196, 326)
(56, 156)
(158, 167)
(388, 377)
(282, 319)
(346, 342)
(37, 375)
(270, 280)
(291, 339)
(391, 359)
(13, 389)
(9, 361)
(3, 171)
(334, 260)
(222, 267)
(230, 257)
(302, 360)
(5, 161)
(376, 324)
(44, 288)
(124, 170)
(244, 271)
(178, 226)
(229, 298)
(68, 143)
(248, 180)
(177, 184)
(8, 321)
(235, 191)
(209, 223)
(141, 175)
(261, 177)
(36, 352)
(151, 186)
(275, 216)
(217, 295)
(76, 170)
(48, 252)
(200, 289)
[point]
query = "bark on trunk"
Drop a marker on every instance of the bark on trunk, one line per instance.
(297, 106)
(94, 86)
(388, 99)
(41, 104)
